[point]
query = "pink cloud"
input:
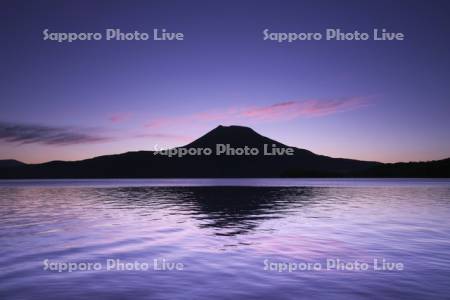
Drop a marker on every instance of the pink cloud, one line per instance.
(120, 117)
(166, 121)
(273, 111)
(181, 138)
(281, 111)
(309, 108)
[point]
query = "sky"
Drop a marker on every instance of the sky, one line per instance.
(387, 101)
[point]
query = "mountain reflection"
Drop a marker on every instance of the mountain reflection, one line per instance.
(225, 210)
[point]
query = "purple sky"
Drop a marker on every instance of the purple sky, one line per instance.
(371, 100)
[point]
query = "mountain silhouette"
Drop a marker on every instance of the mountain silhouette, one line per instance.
(149, 164)
(237, 136)
(7, 163)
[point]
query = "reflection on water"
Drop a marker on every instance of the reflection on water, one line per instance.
(222, 233)
(239, 210)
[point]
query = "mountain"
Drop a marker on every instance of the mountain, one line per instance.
(429, 169)
(10, 163)
(237, 136)
(149, 164)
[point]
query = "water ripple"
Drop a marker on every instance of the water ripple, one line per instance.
(223, 231)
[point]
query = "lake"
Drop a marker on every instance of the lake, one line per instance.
(225, 239)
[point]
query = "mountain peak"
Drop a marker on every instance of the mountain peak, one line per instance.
(234, 128)
(235, 135)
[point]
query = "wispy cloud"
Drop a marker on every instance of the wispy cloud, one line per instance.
(166, 136)
(120, 117)
(308, 108)
(280, 111)
(48, 135)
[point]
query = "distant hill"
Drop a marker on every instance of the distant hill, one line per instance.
(430, 169)
(8, 163)
(145, 164)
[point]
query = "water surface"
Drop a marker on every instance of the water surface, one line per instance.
(223, 231)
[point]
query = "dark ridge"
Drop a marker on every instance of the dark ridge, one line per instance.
(144, 164)
(429, 169)
(10, 163)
